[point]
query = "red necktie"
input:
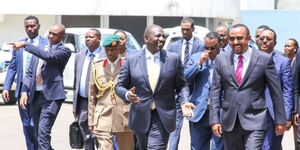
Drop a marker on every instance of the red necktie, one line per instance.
(239, 70)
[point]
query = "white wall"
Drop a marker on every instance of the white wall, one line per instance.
(12, 26)
(257, 4)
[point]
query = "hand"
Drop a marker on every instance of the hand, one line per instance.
(288, 125)
(91, 128)
(296, 119)
(74, 114)
(132, 95)
(17, 45)
(204, 57)
(23, 101)
(217, 129)
(187, 109)
(279, 129)
(5, 96)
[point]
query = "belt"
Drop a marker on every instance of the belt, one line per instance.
(39, 93)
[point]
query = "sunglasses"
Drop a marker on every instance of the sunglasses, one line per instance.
(222, 35)
(256, 36)
(237, 38)
(265, 37)
(211, 47)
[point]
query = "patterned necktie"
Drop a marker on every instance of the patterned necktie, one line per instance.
(153, 77)
(239, 70)
(39, 78)
(88, 76)
(186, 53)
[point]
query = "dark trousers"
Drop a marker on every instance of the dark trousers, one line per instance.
(83, 124)
(156, 138)
(240, 139)
(44, 113)
(175, 135)
(271, 141)
(28, 130)
(202, 136)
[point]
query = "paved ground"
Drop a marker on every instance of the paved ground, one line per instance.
(12, 137)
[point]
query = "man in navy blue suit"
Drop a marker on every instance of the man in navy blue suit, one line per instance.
(199, 71)
(18, 66)
(43, 86)
(266, 43)
(184, 48)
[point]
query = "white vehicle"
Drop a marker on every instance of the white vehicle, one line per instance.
(75, 40)
(175, 34)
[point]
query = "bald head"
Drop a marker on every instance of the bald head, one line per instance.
(56, 34)
(154, 38)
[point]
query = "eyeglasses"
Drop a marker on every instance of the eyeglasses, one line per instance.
(256, 36)
(222, 35)
(211, 47)
(265, 37)
(237, 38)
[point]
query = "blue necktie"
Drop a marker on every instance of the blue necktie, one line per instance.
(186, 54)
(88, 75)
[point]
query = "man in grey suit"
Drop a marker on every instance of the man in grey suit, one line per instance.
(150, 79)
(43, 86)
(83, 61)
(184, 47)
(240, 77)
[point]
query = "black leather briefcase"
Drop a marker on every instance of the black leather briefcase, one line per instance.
(75, 137)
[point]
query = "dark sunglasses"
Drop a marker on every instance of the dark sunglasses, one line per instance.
(265, 37)
(211, 48)
(222, 35)
(237, 38)
(256, 36)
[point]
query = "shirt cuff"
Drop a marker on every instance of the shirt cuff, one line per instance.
(126, 96)
(23, 93)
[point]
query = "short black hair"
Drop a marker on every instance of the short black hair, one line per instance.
(264, 27)
(241, 25)
(212, 35)
(188, 20)
(32, 18)
(275, 35)
(98, 33)
(121, 31)
(295, 42)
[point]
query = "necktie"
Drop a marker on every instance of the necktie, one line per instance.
(239, 70)
(186, 53)
(88, 76)
(39, 78)
(153, 77)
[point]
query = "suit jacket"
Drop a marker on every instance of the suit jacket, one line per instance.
(296, 70)
(199, 76)
(108, 112)
(176, 47)
(79, 60)
(171, 81)
(245, 101)
(55, 59)
(284, 72)
(16, 67)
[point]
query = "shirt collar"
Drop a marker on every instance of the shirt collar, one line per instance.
(96, 51)
(114, 63)
(149, 54)
(246, 55)
(34, 40)
(190, 41)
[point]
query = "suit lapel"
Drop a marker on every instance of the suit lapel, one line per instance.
(143, 66)
(231, 67)
(163, 64)
(252, 63)
(195, 44)
(80, 63)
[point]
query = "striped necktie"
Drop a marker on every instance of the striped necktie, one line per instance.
(186, 53)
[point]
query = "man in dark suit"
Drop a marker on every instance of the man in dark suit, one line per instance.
(43, 86)
(185, 47)
(83, 60)
(150, 79)
(240, 77)
(266, 43)
(17, 67)
(296, 70)
(199, 71)
(223, 31)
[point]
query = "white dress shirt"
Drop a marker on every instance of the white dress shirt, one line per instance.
(246, 60)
